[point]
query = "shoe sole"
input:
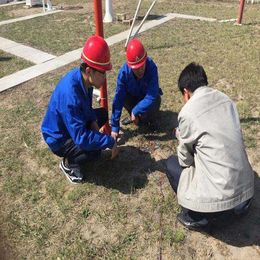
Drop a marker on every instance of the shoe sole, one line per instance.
(68, 177)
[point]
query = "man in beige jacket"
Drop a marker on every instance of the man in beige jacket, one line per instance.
(212, 177)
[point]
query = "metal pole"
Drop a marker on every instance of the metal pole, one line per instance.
(100, 32)
(132, 26)
(241, 10)
(109, 17)
(43, 6)
(141, 24)
(49, 5)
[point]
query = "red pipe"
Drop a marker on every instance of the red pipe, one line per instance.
(241, 10)
(100, 32)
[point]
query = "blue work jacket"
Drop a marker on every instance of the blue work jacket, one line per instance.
(70, 114)
(145, 89)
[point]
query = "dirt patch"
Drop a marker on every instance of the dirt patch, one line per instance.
(24, 11)
(5, 248)
(86, 8)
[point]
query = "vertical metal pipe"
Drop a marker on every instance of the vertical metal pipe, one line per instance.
(49, 5)
(241, 10)
(100, 32)
(109, 16)
(98, 18)
(43, 5)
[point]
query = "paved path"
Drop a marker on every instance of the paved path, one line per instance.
(40, 69)
(24, 52)
(29, 17)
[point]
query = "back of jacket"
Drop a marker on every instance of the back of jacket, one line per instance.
(218, 175)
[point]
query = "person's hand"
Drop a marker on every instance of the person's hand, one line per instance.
(94, 126)
(134, 118)
(114, 151)
(114, 135)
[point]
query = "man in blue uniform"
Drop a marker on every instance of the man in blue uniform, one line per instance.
(71, 126)
(137, 89)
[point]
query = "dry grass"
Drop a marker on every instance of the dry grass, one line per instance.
(113, 215)
(67, 31)
(10, 64)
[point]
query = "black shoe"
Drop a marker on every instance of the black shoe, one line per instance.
(243, 209)
(201, 226)
(74, 175)
(127, 121)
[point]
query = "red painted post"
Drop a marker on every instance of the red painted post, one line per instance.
(100, 32)
(241, 10)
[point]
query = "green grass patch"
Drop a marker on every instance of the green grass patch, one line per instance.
(11, 12)
(63, 32)
(10, 64)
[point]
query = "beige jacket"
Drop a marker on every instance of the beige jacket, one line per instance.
(218, 175)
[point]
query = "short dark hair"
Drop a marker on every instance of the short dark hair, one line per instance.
(192, 77)
(83, 66)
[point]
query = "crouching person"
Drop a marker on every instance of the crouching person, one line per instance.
(211, 175)
(137, 90)
(71, 126)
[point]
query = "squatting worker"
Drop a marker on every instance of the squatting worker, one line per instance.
(137, 90)
(71, 126)
(211, 175)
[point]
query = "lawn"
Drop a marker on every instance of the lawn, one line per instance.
(114, 214)
(68, 30)
(10, 64)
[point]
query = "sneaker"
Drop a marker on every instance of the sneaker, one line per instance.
(127, 121)
(74, 175)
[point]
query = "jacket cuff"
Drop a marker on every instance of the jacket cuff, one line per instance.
(115, 129)
(135, 111)
(111, 142)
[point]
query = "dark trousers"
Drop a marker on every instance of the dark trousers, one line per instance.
(76, 156)
(173, 173)
(131, 102)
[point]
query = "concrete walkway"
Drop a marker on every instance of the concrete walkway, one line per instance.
(29, 17)
(40, 69)
(24, 52)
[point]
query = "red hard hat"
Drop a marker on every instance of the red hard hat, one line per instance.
(96, 54)
(135, 54)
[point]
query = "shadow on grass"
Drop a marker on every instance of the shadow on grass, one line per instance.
(5, 58)
(151, 17)
(250, 119)
(166, 122)
(246, 231)
(251, 24)
(126, 173)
